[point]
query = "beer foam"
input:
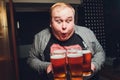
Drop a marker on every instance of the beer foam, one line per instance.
(86, 51)
(79, 51)
(72, 50)
(57, 56)
(59, 51)
(74, 55)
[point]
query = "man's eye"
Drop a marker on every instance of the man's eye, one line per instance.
(58, 21)
(68, 21)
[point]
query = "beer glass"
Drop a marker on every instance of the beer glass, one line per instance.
(58, 60)
(75, 60)
(86, 62)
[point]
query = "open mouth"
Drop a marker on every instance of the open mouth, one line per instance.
(64, 35)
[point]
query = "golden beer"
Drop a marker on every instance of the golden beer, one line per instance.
(59, 66)
(87, 62)
(75, 62)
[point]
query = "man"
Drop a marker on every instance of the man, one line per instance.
(63, 33)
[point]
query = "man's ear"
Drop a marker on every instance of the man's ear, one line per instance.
(50, 25)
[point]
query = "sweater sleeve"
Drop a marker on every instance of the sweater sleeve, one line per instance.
(98, 57)
(36, 56)
(98, 54)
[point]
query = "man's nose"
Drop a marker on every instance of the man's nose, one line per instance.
(64, 26)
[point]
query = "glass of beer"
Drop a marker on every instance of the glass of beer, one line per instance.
(75, 61)
(58, 60)
(86, 62)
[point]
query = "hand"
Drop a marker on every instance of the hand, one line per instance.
(49, 68)
(93, 67)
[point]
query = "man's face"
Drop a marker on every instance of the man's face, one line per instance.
(62, 23)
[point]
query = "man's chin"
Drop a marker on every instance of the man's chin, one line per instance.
(63, 39)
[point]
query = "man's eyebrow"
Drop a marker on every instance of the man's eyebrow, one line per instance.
(70, 17)
(59, 17)
(56, 17)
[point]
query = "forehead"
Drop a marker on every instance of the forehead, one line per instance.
(62, 11)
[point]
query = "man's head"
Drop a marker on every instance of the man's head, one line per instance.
(62, 20)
